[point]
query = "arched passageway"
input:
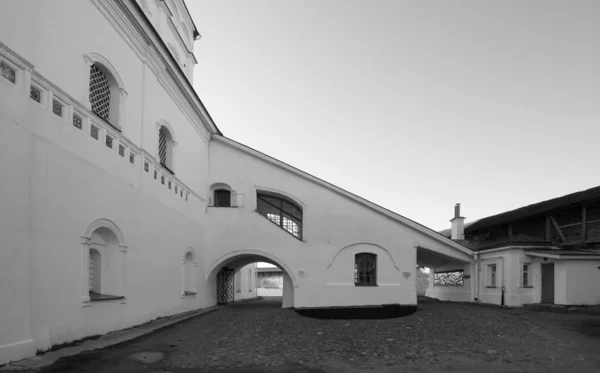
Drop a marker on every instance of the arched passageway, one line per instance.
(224, 273)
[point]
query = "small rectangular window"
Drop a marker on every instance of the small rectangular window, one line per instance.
(155, 174)
(492, 270)
(94, 132)
(186, 195)
(122, 150)
(35, 94)
(109, 141)
(132, 156)
(77, 121)
(146, 166)
(169, 184)
(57, 108)
(162, 179)
(176, 189)
(181, 193)
(8, 72)
(526, 267)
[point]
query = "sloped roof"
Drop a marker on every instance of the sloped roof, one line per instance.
(364, 202)
(537, 208)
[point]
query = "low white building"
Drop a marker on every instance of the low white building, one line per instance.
(122, 201)
(548, 252)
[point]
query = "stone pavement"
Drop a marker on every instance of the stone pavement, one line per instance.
(442, 337)
(107, 340)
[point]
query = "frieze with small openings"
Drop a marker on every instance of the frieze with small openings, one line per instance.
(80, 116)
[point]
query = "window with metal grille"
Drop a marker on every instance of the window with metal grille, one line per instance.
(222, 198)
(8, 72)
(35, 94)
(365, 269)
(100, 94)
(122, 150)
(109, 141)
(57, 108)
(132, 156)
(94, 132)
(281, 211)
(165, 148)
(77, 122)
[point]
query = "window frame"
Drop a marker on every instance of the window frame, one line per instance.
(280, 221)
(526, 284)
(492, 279)
(217, 201)
(360, 259)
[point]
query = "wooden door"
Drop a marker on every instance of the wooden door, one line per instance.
(548, 283)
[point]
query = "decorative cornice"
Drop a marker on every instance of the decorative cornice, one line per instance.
(15, 58)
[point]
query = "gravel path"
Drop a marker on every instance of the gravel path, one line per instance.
(260, 336)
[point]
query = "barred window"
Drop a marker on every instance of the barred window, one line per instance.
(365, 269)
(35, 94)
(100, 94)
(109, 141)
(132, 157)
(165, 148)
(57, 108)
(94, 132)
(77, 121)
(281, 211)
(122, 150)
(8, 72)
(222, 198)
(449, 278)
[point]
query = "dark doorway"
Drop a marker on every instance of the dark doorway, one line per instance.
(548, 283)
(225, 286)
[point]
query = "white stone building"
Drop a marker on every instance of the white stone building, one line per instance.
(121, 200)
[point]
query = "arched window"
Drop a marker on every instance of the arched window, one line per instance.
(106, 91)
(222, 198)
(365, 269)
(281, 211)
(165, 148)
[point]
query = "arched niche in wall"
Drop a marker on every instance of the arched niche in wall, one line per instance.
(189, 276)
(341, 268)
(103, 262)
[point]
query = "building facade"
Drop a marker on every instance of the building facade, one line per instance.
(548, 252)
(123, 202)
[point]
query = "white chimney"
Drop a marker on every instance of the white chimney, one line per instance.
(458, 224)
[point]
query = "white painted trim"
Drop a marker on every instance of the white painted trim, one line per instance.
(342, 192)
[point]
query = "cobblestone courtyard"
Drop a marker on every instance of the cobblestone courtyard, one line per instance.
(261, 337)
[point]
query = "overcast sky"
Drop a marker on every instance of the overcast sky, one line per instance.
(414, 105)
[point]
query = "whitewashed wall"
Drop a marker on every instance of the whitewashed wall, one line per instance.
(61, 180)
(334, 229)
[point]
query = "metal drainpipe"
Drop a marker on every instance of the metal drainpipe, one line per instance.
(476, 276)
